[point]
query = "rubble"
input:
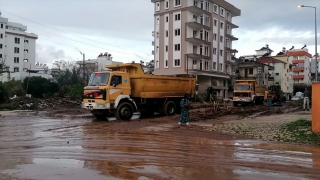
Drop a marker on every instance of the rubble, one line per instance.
(26, 103)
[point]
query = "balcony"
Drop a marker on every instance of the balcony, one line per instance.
(298, 76)
(152, 52)
(197, 41)
(298, 69)
(152, 33)
(197, 11)
(230, 61)
(297, 61)
(195, 56)
(231, 50)
(232, 37)
(152, 43)
(196, 25)
(231, 24)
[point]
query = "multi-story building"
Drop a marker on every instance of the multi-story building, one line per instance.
(280, 75)
(18, 52)
(301, 70)
(17, 49)
(314, 67)
(195, 37)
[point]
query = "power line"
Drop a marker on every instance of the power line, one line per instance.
(60, 30)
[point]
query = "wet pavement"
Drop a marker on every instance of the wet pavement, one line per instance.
(39, 147)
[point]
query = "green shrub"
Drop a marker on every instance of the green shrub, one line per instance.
(40, 87)
(76, 91)
(14, 87)
(3, 92)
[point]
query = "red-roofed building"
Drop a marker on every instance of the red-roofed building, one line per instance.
(301, 69)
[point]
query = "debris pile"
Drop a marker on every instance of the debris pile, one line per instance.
(26, 103)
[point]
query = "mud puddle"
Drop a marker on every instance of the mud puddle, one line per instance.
(39, 148)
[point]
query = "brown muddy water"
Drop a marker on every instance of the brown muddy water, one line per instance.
(39, 147)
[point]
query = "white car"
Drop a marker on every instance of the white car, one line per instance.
(296, 98)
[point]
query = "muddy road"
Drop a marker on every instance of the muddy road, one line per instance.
(65, 144)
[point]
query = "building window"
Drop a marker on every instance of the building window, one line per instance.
(215, 8)
(214, 50)
(177, 17)
(221, 66)
(1, 26)
(221, 52)
(26, 50)
(206, 65)
(250, 71)
(0, 46)
(177, 47)
(221, 25)
(25, 60)
(16, 69)
(158, 6)
(17, 40)
(16, 59)
(167, 4)
(207, 6)
(26, 41)
(158, 21)
(177, 62)
(215, 22)
(277, 74)
(167, 33)
(177, 3)
(166, 63)
(1, 36)
(157, 34)
(214, 65)
(215, 36)
(167, 18)
(24, 69)
(206, 50)
(295, 57)
(16, 50)
(222, 12)
(157, 49)
(221, 39)
(0, 55)
(167, 48)
(177, 32)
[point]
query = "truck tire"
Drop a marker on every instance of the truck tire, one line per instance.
(170, 108)
(124, 111)
(235, 104)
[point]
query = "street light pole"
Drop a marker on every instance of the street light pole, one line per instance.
(316, 43)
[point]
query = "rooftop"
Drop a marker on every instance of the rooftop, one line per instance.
(269, 60)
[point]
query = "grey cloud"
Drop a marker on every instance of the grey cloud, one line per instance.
(49, 54)
(289, 41)
(260, 15)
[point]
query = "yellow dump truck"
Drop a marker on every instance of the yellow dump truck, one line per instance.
(247, 92)
(125, 89)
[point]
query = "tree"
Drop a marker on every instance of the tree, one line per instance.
(3, 92)
(14, 87)
(40, 87)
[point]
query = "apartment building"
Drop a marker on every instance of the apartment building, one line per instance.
(280, 75)
(17, 50)
(195, 37)
(301, 69)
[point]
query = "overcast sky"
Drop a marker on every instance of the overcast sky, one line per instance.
(123, 27)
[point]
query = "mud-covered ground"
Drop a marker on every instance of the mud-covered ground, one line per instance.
(66, 142)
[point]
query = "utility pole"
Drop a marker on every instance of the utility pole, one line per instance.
(83, 66)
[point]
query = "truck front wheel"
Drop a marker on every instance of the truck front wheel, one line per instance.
(170, 108)
(124, 111)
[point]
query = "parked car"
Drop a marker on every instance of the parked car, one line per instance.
(296, 98)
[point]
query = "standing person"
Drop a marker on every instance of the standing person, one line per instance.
(185, 105)
(306, 99)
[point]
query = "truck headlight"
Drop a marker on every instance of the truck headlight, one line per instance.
(101, 106)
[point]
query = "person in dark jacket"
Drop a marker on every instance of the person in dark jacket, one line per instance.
(185, 106)
(306, 99)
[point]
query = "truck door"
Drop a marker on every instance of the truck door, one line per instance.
(119, 85)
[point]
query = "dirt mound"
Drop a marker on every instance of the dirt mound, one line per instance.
(27, 103)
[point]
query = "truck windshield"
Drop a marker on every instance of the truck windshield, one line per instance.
(97, 79)
(242, 87)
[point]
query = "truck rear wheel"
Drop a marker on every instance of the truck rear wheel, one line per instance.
(124, 111)
(170, 108)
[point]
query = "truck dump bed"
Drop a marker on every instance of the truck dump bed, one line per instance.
(155, 86)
